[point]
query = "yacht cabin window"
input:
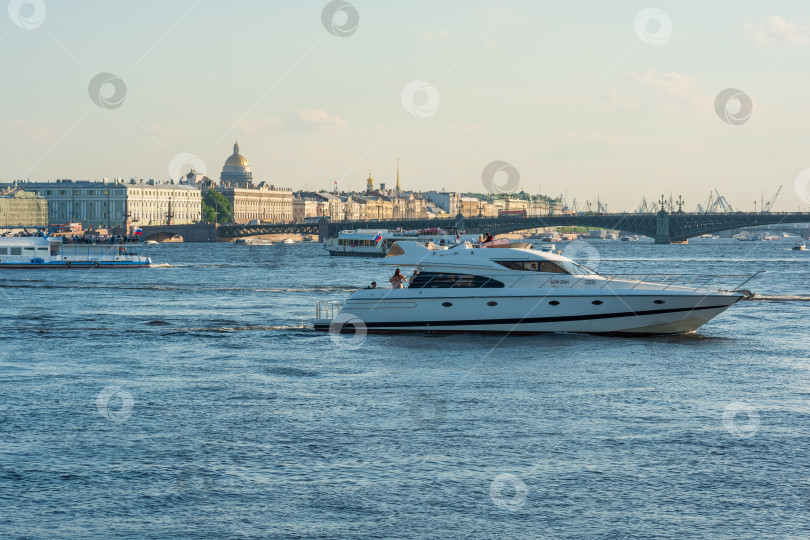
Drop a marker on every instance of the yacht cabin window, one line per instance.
(533, 266)
(437, 280)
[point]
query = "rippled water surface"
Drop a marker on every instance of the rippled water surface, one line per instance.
(193, 400)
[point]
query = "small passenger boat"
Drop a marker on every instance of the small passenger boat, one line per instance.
(799, 246)
(44, 250)
(377, 242)
(252, 242)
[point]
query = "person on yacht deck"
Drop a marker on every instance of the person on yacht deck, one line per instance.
(397, 279)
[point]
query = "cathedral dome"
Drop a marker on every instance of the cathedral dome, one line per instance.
(236, 168)
(237, 160)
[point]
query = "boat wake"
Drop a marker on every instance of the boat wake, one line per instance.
(780, 298)
(226, 329)
(170, 287)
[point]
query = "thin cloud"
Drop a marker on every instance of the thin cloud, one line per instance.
(33, 130)
(433, 35)
(259, 125)
(322, 119)
(775, 30)
(679, 87)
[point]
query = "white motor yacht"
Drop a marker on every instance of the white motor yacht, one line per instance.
(505, 290)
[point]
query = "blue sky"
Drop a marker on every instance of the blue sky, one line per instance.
(567, 92)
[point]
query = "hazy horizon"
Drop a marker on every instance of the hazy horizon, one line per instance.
(610, 100)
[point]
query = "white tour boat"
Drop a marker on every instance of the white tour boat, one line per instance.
(508, 290)
(47, 251)
(377, 242)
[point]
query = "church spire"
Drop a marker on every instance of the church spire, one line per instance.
(397, 176)
(236, 147)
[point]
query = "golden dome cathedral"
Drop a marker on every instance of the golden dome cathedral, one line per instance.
(236, 169)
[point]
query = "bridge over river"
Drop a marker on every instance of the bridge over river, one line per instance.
(664, 227)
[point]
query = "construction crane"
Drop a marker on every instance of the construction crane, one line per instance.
(720, 204)
(563, 203)
(601, 207)
(645, 207)
(766, 207)
(706, 207)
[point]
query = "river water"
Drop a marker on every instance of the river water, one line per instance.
(194, 400)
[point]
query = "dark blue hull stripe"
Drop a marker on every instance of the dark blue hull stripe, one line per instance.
(526, 320)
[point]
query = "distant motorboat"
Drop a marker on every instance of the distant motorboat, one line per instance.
(252, 242)
(799, 246)
(152, 242)
(288, 241)
(626, 238)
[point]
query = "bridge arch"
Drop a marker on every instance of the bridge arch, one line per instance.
(163, 236)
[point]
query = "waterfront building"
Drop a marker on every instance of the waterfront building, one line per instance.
(434, 211)
(304, 207)
(22, 208)
(97, 204)
(450, 202)
(473, 207)
(261, 203)
(114, 203)
(409, 206)
(374, 207)
(328, 205)
(163, 204)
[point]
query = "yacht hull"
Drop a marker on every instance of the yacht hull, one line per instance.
(535, 313)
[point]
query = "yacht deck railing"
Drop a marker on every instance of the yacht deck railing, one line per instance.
(327, 309)
(718, 282)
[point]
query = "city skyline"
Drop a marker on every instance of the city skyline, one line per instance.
(612, 101)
